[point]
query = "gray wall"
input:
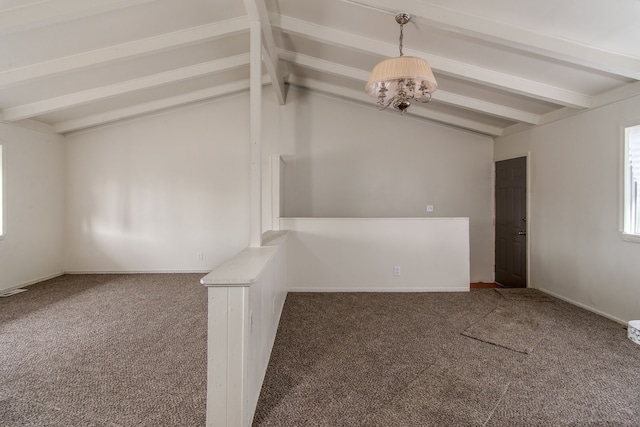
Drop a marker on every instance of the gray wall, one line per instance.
(576, 249)
(33, 246)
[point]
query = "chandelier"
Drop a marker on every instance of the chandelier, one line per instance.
(399, 80)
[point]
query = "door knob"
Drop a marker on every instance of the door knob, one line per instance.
(522, 233)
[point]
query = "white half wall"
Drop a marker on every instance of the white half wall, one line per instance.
(33, 246)
(576, 250)
(151, 194)
(246, 297)
(351, 161)
(357, 254)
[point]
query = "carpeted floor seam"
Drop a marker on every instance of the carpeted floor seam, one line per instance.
(504, 393)
(401, 360)
(400, 391)
(515, 325)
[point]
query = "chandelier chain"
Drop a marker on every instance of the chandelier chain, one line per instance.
(401, 37)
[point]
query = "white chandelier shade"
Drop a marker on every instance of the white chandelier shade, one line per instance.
(398, 81)
(394, 73)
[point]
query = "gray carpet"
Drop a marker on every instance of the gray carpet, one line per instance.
(524, 295)
(516, 325)
(372, 359)
(105, 350)
(130, 350)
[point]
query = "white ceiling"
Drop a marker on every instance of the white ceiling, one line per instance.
(501, 65)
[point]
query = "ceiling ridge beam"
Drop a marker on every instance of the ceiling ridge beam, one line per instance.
(257, 11)
(448, 66)
(440, 96)
(39, 14)
(154, 106)
(37, 108)
(361, 97)
(523, 39)
(30, 124)
(122, 51)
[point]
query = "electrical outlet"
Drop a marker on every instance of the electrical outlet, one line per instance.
(429, 208)
(200, 256)
(396, 270)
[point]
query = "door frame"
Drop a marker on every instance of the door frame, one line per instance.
(528, 223)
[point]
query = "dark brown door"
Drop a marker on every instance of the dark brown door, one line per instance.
(511, 223)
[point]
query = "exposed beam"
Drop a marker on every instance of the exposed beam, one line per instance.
(257, 11)
(91, 95)
(361, 97)
(442, 96)
(151, 107)
(31, 124)
(255, 128)
(448, 66)
(122, 51)
(485, 107)
(615, 95)
(52, 11)
(515, 37)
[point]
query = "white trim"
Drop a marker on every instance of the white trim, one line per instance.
(362, 98)
(257, 11)
(484, 107)
(45, 106)
(128, 50)
(508, 82)
(584, 306)
(2, 186)
(41, 13)
(34, 282)
(631, 238)
(28, 124)
(435, 218)
(137, 110)
(528, 224)
(78, 272)
(623, 178)
(372, 289)
(493, 217)
(255, 132)
(526, 40)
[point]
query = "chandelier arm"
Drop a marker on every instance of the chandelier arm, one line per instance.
(383, 105)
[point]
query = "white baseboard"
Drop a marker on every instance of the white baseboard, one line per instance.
(33, 282)
(370, 289)
(136, 271)
(581, 305)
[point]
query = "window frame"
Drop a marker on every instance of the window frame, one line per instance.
(3, 154)
(625, 177)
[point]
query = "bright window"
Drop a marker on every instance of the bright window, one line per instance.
(631, 187)
(1, 196)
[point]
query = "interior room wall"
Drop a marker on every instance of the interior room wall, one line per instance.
(32, 248)
(151, 194)
(350, 160)
(576, 249)
(379, 255)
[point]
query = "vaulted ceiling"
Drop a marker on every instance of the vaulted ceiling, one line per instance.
(501, 65)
